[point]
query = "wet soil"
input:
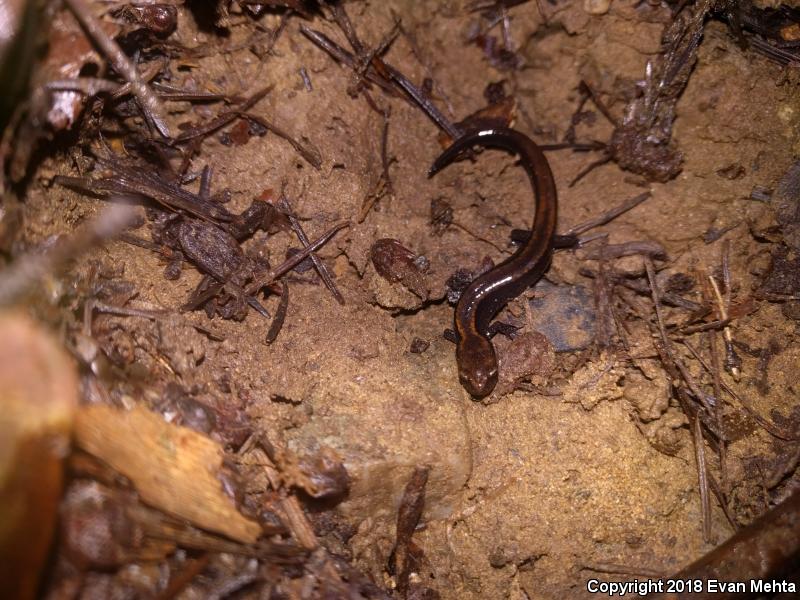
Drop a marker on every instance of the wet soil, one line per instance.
(533, 493)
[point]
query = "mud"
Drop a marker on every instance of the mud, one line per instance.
(531, 494)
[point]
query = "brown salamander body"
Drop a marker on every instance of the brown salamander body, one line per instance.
(486, 295)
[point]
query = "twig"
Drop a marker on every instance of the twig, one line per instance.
(667, 298)
(607, 216)
(383, 75)
(775, 430)
(309, 153)
(280, 315)
(153, 315)
(722, 446)
(384, 183)
(702, 478)
(30, 268)
(783, 470)
(623, 570)
(385, 160)
(732, 361)
(294, 260)
(416, 50)
(713, 325)
(151, 105)
(343, 56)
(223, 118)
(324, 274)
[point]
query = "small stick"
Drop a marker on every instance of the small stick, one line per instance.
(732, 361)
(522, 235)
(223, 118)
(280, 315)
(421, 100)
(30, 268)
(205, 182)
(377, 51)
(775, 430)
(384, 183)
(309, 153)
(713, 325)
(346, 25)
(589, 92)
(88, 86)
(151, 105)
(283, 203)
(343, 56)
(700, 457)
(575, 146)
(608, 216)
(508, 41)
(136, 182)
(153, 315)
(381, 73)
(385, 160)
(306, 79)
(295, 259)
(170, 92)
(91, 86)
(763, 550)
(623, 570)
(416, 50)
(668, 298)
(214, 286)
(656, 296)
(602, 301)
(590, 167)
(612, 251)
(721, 498)
(723, 447)
(706, 400)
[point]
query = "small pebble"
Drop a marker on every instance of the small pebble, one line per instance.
(565, 315)
(596, 7)
(418, 345)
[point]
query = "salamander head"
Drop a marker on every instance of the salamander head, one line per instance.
(477, 366)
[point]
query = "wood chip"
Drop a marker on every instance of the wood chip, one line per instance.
(38, 396)
(173, 468)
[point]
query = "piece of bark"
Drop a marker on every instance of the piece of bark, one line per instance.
(173, 468)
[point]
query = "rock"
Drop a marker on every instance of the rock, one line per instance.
(383, 429)
(649, 398)
(565, 315)
(596, 7)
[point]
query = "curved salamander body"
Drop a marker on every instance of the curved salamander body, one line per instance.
(486, 295)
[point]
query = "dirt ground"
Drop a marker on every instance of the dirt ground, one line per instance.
(591, 472)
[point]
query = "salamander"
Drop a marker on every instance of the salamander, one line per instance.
(486, 295)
